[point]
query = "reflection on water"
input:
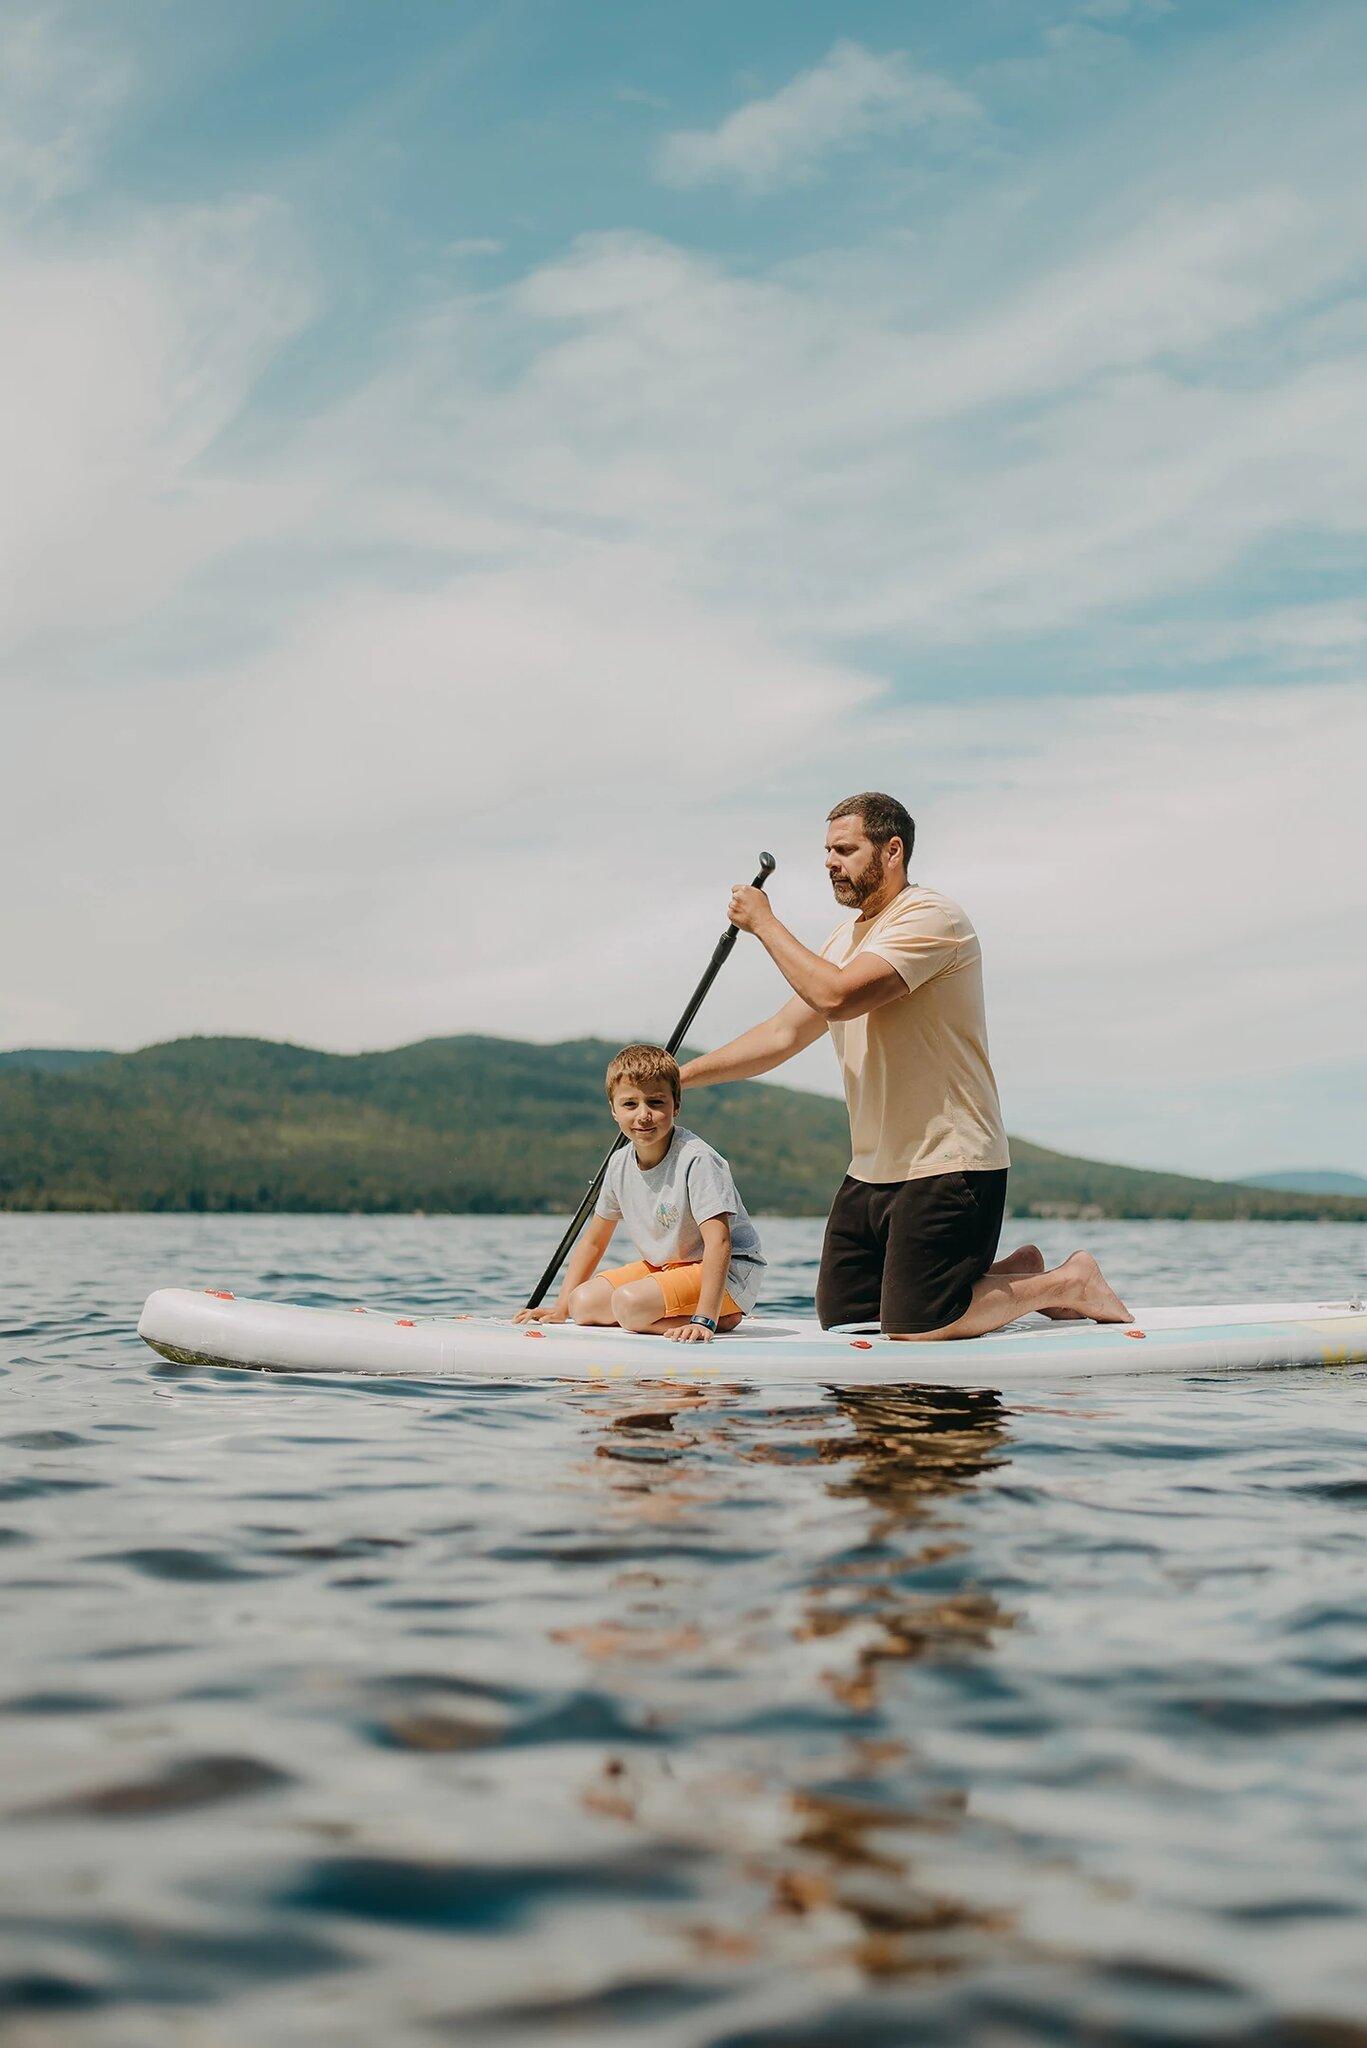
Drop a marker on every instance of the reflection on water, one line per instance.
(908, 1447)
(839, 1857)
(404, 1713)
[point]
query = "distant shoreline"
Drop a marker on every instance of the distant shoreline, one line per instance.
(562, 1215)
(467, 1126)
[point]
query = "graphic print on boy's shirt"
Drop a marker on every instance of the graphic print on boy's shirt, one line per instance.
(662, 1207)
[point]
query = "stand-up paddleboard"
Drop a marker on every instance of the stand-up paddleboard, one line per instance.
(214, 1327)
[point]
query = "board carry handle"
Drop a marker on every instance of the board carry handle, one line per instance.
(720, 954)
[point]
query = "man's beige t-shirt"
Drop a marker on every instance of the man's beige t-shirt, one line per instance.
(918, 1084)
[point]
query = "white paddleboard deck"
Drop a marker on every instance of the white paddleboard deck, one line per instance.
(214, 1327)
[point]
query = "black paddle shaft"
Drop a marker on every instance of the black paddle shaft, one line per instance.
(721, 951)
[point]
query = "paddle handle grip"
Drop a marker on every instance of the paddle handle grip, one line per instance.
(720, 954)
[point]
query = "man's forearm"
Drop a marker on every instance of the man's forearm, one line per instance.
(820, 985)
(756, 1051)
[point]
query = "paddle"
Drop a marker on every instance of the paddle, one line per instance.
(767, 864)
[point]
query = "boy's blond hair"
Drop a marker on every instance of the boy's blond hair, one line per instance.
(643, 1064)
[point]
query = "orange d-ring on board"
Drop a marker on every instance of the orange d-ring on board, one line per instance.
(220, 1294)
(533, 1333)
(1136, 1333)
(405, 1323)
(861, 1343)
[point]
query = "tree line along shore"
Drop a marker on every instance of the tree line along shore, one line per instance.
(461, 1125)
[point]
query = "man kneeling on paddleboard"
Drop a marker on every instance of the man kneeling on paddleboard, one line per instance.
(913, 1234)
(700, 1264)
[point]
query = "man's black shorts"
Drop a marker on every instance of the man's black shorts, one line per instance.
(905, 1253)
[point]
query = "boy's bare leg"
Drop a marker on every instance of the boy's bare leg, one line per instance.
(1077, 1285)
(640, 1306)
(591, 1303)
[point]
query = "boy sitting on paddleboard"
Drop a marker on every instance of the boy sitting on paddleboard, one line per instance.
(700, 1264)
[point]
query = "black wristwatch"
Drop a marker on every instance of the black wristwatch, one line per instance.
(706, 1321)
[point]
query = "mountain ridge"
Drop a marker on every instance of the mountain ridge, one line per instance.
(460, 1123)
(1309, 1180)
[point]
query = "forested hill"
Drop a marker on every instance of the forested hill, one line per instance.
(456, 1124)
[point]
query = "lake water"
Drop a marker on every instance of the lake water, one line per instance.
(394, 1713)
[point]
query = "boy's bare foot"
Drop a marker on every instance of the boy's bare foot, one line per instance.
(1090, 1294)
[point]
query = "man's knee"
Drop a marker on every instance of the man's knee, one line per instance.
(837, 1305)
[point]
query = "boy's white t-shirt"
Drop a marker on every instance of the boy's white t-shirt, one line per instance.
(662, 1207)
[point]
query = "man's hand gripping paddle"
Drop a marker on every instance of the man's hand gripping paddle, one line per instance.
(720, 953)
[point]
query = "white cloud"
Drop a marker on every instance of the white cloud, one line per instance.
(62, 79)
(507, 794)
(1072, 445)
(120, 362)
(1320, 639)
(1209, 847)
(851, 95)
(130, 339)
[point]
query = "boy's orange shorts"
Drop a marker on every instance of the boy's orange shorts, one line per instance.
(681, 1286)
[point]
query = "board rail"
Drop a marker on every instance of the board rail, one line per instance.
(214, 1327)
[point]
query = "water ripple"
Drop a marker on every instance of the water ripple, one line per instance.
(512, 1712)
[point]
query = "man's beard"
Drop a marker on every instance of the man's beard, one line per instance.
(849, 891)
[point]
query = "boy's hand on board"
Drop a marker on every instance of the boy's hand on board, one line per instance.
(749, 907)
(691, 1333)
(556, 1313)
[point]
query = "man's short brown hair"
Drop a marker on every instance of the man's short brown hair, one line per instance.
(882, 817)
(644, 1064)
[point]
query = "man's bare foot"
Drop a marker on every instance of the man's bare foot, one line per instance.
(1030, 1259)
(1090, 1294)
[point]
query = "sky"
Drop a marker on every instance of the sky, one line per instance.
(479, 473)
